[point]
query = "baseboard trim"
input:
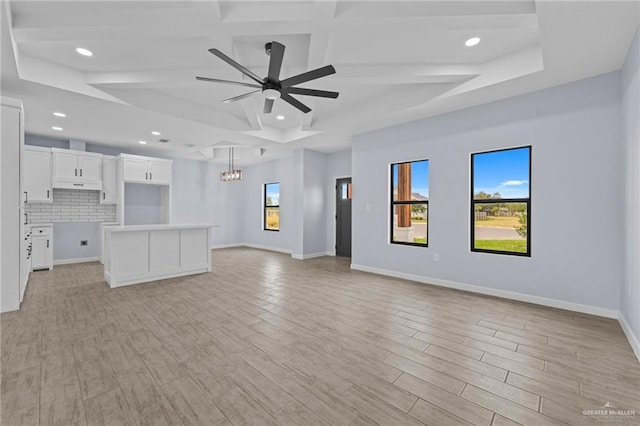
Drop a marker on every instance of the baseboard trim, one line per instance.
(269, 248)
(521, 297)
(78, 260)
(311, 255)
(632, 338)
(223, 246)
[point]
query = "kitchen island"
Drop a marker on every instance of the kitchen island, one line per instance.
(136, 254)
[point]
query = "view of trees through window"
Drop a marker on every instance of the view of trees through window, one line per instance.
(272, 206)
(501, 201)
(410, 203)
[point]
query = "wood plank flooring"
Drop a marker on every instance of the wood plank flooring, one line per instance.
(267, 340)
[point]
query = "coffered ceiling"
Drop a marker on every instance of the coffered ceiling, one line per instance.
(395, 61)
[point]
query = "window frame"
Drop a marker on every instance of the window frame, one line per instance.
(265, 207)
(526, 201)
(393, 203)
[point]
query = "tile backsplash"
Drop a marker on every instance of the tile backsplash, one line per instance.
(71, 205)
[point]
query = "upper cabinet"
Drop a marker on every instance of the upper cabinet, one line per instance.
(76, 169)
(139, 169)
(36, 183)
(109, 180)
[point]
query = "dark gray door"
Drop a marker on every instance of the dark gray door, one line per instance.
(343, 217)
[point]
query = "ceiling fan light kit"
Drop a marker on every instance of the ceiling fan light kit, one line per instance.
(271, 86)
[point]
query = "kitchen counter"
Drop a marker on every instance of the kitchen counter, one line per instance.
(136, 254)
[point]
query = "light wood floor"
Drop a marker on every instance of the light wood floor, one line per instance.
(265, 339)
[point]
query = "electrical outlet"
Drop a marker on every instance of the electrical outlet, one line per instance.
(84, 243)
(436, 257)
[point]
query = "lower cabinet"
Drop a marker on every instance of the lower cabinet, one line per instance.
(42, 247)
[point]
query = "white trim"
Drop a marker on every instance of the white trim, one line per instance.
(632, 338)
(78, 260)
(259, 247)
(223, 246)
(554, 303)
(311, 255)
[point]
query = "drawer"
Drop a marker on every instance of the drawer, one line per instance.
(40, 230)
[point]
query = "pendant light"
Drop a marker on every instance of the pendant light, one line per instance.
(231, 174)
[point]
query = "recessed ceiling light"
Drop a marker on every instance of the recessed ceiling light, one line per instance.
(155, 133)
(142, 142)
(59, 114)
(472, 41)
(280, 117)
(84, 52)
(57, 128)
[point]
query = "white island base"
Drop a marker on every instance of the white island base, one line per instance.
(143, 253)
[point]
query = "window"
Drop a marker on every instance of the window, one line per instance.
(501, 201)
(272, 206)
(410, 203)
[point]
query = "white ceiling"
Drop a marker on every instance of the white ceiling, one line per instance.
(396, 61)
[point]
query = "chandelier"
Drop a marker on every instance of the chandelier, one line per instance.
(231, 174)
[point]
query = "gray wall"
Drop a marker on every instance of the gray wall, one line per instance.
(142, 204)
(315, 205)
(576, 217)
(67, 237)
(254, 177)
(630, 300)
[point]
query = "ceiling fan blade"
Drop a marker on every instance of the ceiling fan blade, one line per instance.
(236, 65)
(238, 83)
(238, 98)
(296, 103)
(308, 76)
(311, 92)
(268, 106)
(275, 63)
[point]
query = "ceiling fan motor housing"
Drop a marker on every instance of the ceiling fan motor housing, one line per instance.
(267, 48)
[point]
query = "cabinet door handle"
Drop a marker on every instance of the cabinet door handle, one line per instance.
(47, 193)
(80, 172)
(146, 176)
(76, 172)
(150, 176)
(26, 197)
(26, 218)
(47, 243)
(104, 196)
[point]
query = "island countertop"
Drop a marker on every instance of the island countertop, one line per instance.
(136, 254)
(159, 227)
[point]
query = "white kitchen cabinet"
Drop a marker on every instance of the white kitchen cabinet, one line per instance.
(36, 184)
(109, 180)
(76, 169)
(42, 247)
(12, 244)
(137, 169)
(159, 172)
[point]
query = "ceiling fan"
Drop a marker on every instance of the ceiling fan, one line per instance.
(271, 86)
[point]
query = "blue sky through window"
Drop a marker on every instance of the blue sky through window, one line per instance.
(506, 172)
(419, 178)
(273, 192)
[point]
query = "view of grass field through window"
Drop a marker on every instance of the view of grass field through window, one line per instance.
(501, 201)
(272, 206)
(410, 203)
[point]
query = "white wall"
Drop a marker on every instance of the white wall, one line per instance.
(576, 194)
(630, 296)
(338, 166)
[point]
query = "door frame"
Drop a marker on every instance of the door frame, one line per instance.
(333, 220)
